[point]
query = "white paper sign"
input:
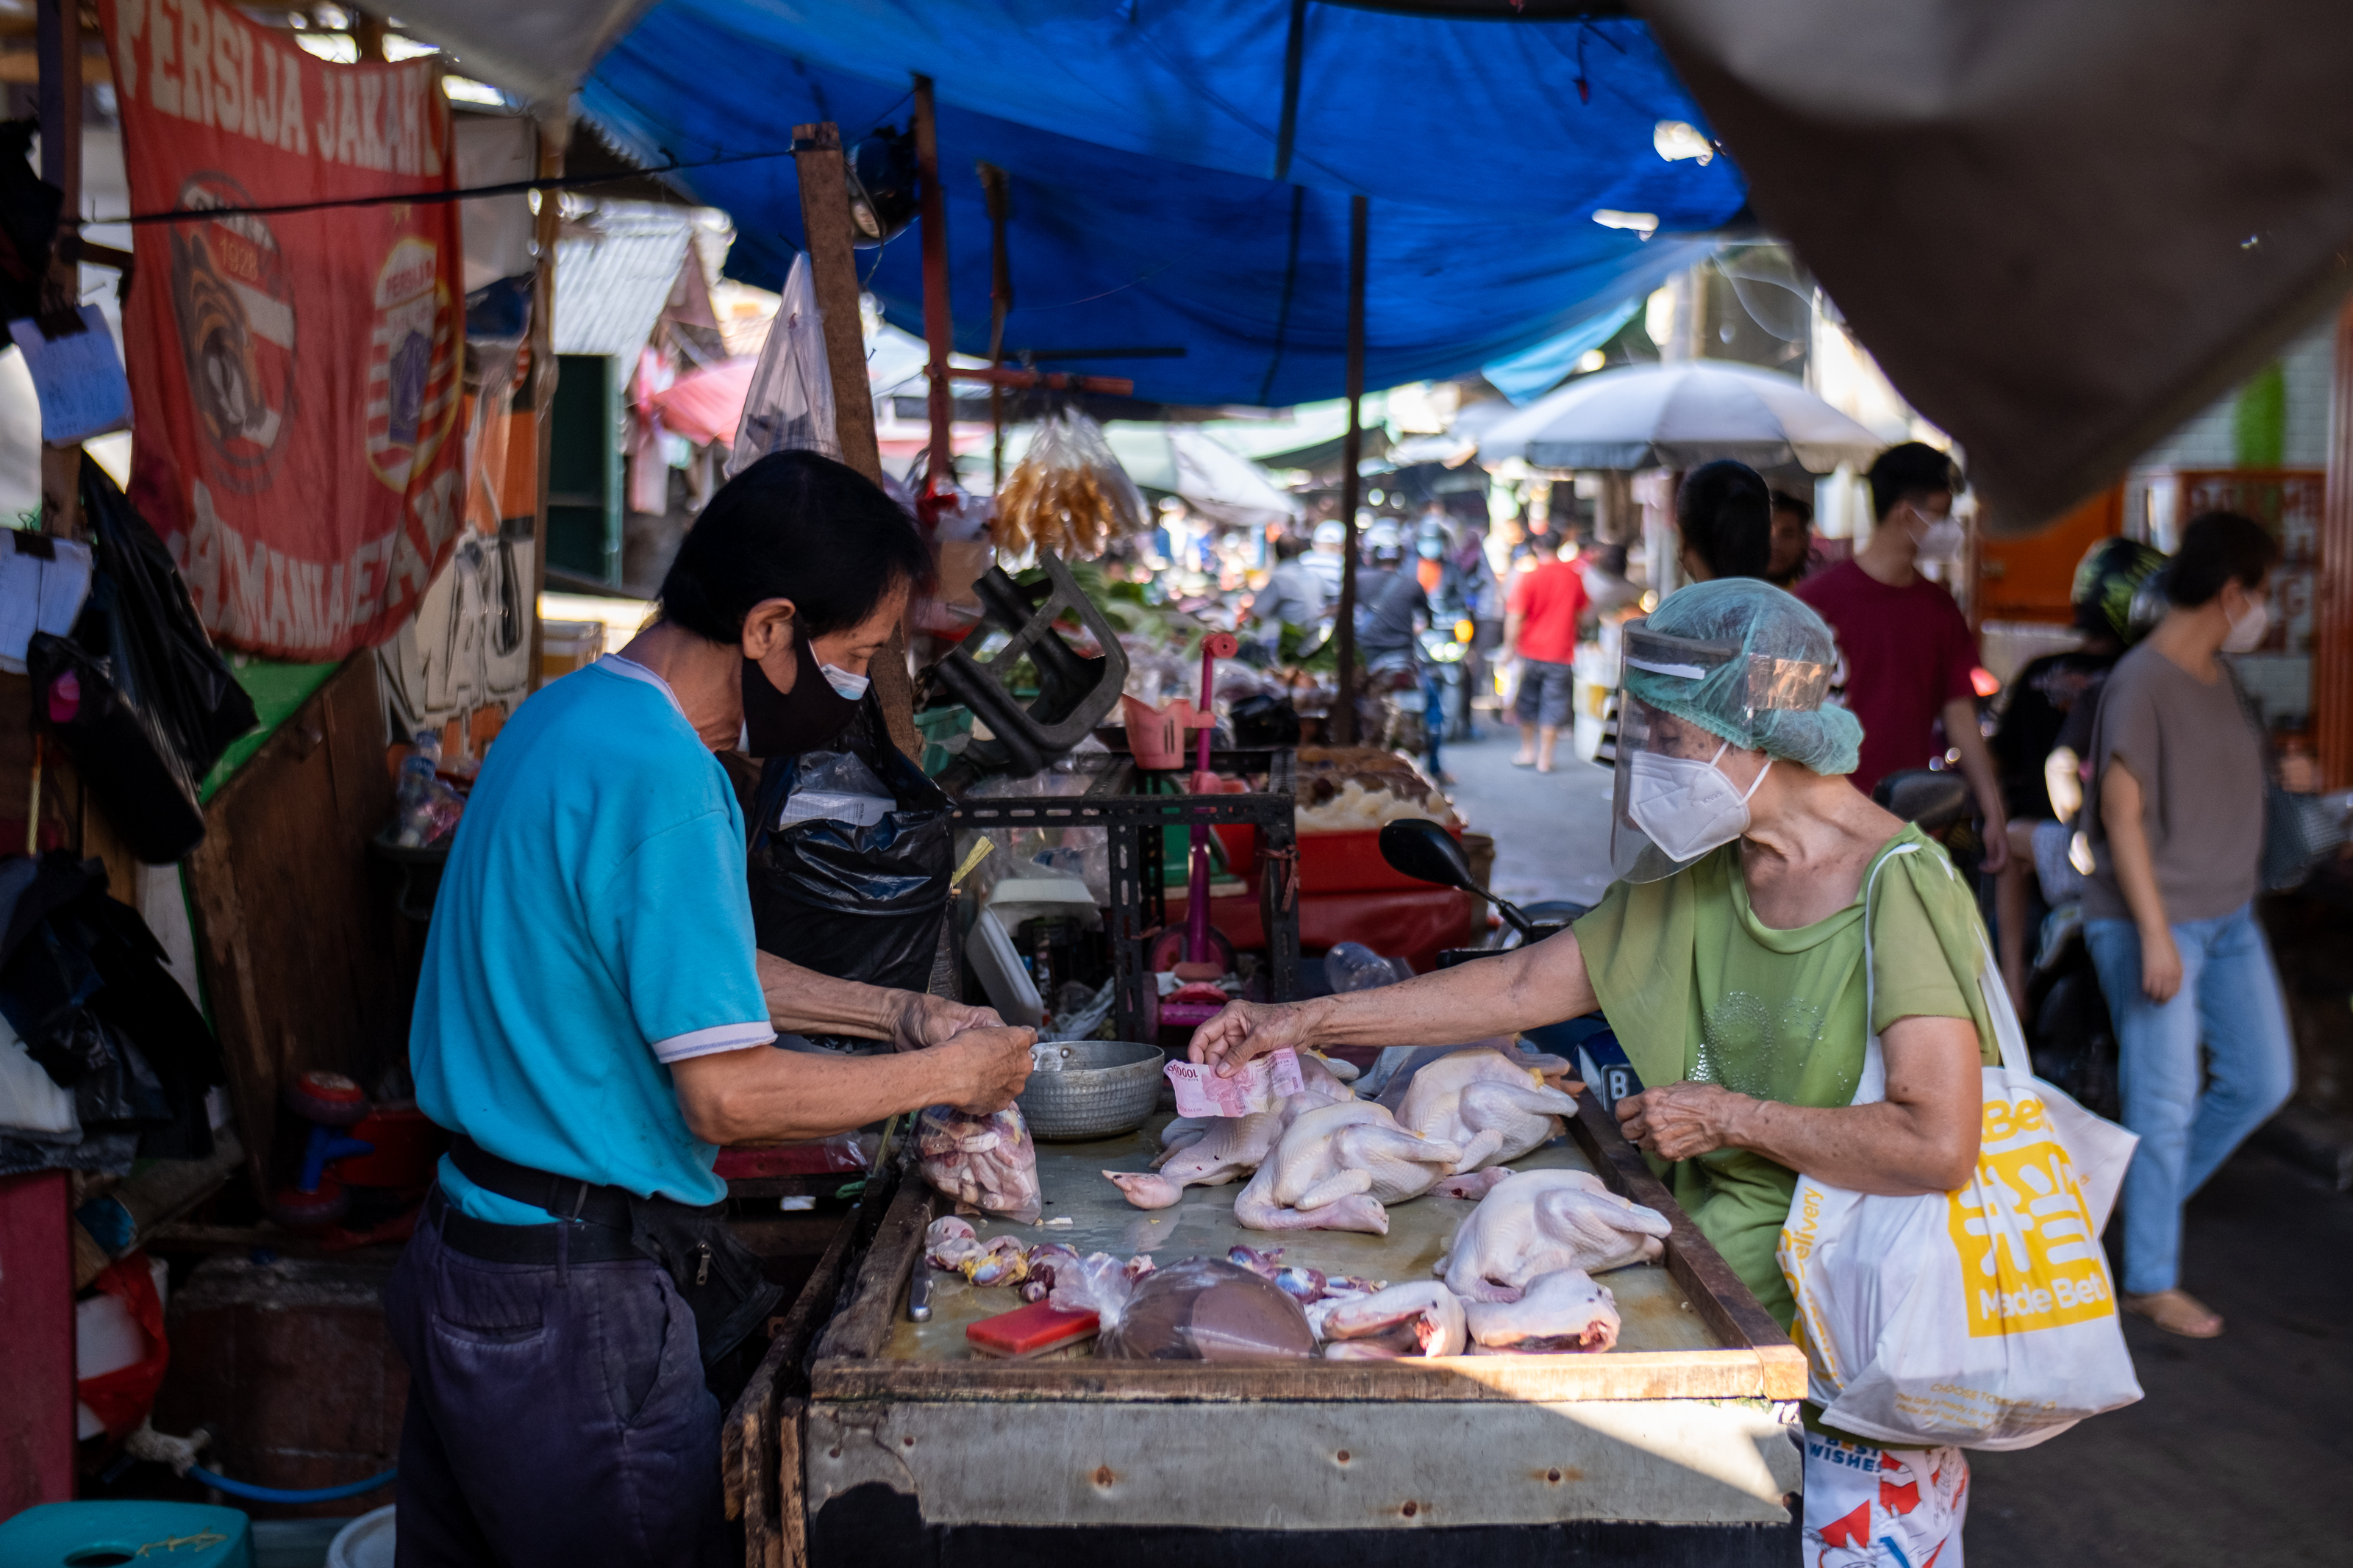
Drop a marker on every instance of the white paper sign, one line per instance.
(78, 377)
(43, 583)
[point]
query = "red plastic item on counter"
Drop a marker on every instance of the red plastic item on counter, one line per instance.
(1030, 1331)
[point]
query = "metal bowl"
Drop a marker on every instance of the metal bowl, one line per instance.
(1105, 1088)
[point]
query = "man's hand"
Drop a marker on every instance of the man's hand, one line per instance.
(1680, 1121)
(2160, 965)
(989, 1066)
(1248, 1029)
(919, 1020)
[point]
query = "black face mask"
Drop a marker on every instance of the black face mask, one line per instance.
(786, 723)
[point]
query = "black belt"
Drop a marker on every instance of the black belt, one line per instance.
(719, 1278)
(539, 1244)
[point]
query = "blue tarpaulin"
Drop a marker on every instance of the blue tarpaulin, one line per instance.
(1140, 139)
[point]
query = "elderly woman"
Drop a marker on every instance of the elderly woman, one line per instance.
(1729, 958)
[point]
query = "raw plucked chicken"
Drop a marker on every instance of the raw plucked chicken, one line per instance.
(1496, 1109)
(1541, 1222)
(1211, 1150)
(1422, 1319)
(1561, 1312)
(1336, 1166)
(1226, 1149)
(986, 1162)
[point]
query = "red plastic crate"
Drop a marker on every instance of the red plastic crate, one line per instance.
(1352, 863)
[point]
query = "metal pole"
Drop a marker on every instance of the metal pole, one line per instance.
(939, 329)
(1342, 725)
(554, 136)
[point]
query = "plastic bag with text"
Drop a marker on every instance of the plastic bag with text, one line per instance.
(1984, 1317)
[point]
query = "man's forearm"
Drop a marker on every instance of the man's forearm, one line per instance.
(803, 1001)
(1525, 989)
(764, 1094)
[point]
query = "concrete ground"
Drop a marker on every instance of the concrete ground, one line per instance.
(2242, 1454)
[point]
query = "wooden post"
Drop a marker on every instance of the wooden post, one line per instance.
(833, 274)
(939, 325)
(59, 44)
(998, 186)
(367, 37)
(2332, 652)
(1342, 727)
(555, 133)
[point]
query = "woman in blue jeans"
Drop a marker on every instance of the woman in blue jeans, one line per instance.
(2176, 838)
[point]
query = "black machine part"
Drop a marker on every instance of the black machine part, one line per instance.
(1075, 691)
(1421, 849)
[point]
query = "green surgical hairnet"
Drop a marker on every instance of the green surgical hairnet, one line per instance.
(1765, 660)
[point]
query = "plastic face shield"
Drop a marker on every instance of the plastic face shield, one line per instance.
(1757, 683)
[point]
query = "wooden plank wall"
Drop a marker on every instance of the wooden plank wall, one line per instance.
(305, 962)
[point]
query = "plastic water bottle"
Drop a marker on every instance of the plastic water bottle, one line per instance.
(1353, 966)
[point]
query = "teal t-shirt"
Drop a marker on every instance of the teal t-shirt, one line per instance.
(594, 925)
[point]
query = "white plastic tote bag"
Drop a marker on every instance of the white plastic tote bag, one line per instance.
(1985, 1317)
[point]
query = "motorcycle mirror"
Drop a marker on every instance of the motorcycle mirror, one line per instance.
(1421, 849)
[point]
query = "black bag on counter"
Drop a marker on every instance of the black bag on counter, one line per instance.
(137, 697)
(857, 900)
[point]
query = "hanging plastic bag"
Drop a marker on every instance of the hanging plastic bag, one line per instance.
(789, 407)
(137, 697)
(1068, 494)
(1985, 1317)
(854, 899)
(985, 1162)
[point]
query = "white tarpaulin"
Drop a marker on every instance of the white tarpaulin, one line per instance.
(2062, 226)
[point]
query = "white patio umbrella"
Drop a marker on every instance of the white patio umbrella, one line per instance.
(1679, 415)
(1211, 478)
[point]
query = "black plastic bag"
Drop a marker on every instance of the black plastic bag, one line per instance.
(137, 697)
(83, 982)
(171, 666)
(857, 902)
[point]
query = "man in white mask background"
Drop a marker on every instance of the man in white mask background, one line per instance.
(2176, 820)
(1907, 651)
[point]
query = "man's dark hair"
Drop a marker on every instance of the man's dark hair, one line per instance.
(794, 526)
(1909, 471)
(2219, 548)
(1726, 517)
(1290, 547)
(1548, 543)
(1783, 502)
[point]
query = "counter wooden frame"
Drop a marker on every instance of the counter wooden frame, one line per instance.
(1755, 1359)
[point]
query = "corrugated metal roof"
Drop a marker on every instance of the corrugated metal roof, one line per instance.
(611, 283)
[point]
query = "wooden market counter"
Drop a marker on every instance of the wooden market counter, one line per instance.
(1674, 1447)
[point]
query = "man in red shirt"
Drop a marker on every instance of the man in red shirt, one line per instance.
(1540, 627)
(1906, 652)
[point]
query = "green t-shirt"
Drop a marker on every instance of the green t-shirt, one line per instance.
(1696, 987)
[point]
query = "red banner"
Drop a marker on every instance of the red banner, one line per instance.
(295, 377)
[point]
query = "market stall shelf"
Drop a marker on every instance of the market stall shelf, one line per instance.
(1677, 1442)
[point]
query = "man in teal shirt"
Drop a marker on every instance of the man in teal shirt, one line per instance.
(593, 1021)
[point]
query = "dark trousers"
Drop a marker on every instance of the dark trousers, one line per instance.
(556, 1416)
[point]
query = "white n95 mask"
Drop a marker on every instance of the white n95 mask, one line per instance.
(2247, 632)
(1685, 805)
(1942, 539)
